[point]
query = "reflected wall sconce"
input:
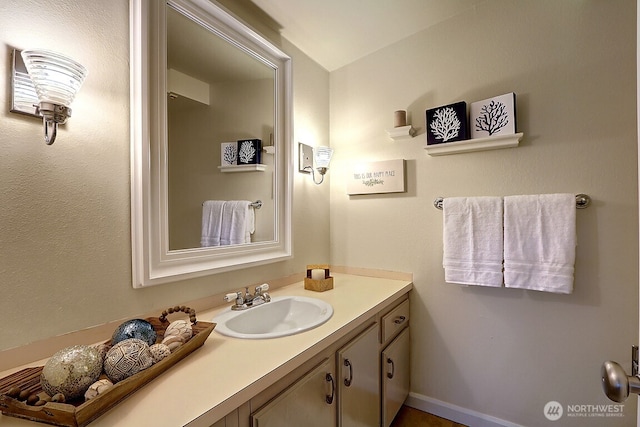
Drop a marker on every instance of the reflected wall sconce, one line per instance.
(44, 83)
(321, 156)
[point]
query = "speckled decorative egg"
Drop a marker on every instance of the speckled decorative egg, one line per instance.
(136, 328)
(71, 371)
(181, 328)
(159, 351)
(127, 358)
(97, 388)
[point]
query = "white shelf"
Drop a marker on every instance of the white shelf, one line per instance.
(402, 132)
(243, 168)
(477, 144)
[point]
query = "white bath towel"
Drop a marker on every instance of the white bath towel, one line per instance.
(250, 227)
(473, 240)
(540, 242)
(211, 222)
(237, 221)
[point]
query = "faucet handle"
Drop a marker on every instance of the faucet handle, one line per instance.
(232, 296)
(262, 288)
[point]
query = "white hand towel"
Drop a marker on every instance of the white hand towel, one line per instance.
(250, 224)
(540, 242)
(211, 222)
(235, 216)
(473, 240)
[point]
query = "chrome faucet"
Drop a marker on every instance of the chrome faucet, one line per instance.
(243, 302)
(261, 296)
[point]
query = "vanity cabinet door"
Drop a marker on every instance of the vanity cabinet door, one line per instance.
(359, 381)
(309, 402)
(395, 376)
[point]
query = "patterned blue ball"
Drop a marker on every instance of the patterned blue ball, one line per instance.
(136, 328)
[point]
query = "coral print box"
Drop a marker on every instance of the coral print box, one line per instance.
(488, 118)
(447, 123)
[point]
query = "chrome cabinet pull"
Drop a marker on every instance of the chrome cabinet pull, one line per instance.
(329, 397)
(400, 319)
(347, 381)
(393, 368)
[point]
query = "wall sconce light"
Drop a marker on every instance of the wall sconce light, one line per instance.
(321, 157)
(54, 78)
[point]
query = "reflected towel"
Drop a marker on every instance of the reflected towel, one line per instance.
(237, 222)
(250, 224)
(540, 242)
(211, 222)
(473, 240)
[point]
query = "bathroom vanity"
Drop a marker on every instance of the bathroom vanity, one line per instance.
(355, 365)
(349, 383)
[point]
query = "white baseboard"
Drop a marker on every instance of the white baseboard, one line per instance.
(455, 413)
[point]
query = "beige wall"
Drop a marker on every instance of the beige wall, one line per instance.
(65, 258)
(500, 352)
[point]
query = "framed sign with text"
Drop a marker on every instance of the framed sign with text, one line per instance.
(377, 177)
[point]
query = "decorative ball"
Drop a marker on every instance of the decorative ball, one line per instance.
(173, 342)
(127, 358)
(71, 371)
(97, 388)
(181, 328)
(136, 328)
(159, 351)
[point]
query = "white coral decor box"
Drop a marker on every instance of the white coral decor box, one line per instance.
(228, 153)
(493, 116)
(447, 123)
(249, 151)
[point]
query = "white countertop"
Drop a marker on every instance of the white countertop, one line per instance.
(226, 372)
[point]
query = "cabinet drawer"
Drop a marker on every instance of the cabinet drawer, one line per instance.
(395, 321)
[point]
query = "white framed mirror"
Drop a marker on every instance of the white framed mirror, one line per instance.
(201, 78)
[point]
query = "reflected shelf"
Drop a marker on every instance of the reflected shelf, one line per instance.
(243, 168)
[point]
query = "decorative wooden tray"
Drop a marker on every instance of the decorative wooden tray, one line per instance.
(80, 413)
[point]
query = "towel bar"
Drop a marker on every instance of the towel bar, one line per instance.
(582, 201)
(256, 205)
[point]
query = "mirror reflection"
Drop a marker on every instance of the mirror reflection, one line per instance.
(217, 95)
(201, 83)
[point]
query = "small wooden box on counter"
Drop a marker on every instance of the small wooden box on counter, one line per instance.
(318, 285)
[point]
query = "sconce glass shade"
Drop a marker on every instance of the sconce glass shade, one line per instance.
(322, 156)
(57, 80)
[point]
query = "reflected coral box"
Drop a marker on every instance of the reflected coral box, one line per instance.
(249, 151)
(228, 153)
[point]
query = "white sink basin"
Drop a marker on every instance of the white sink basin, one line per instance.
(280, 317)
